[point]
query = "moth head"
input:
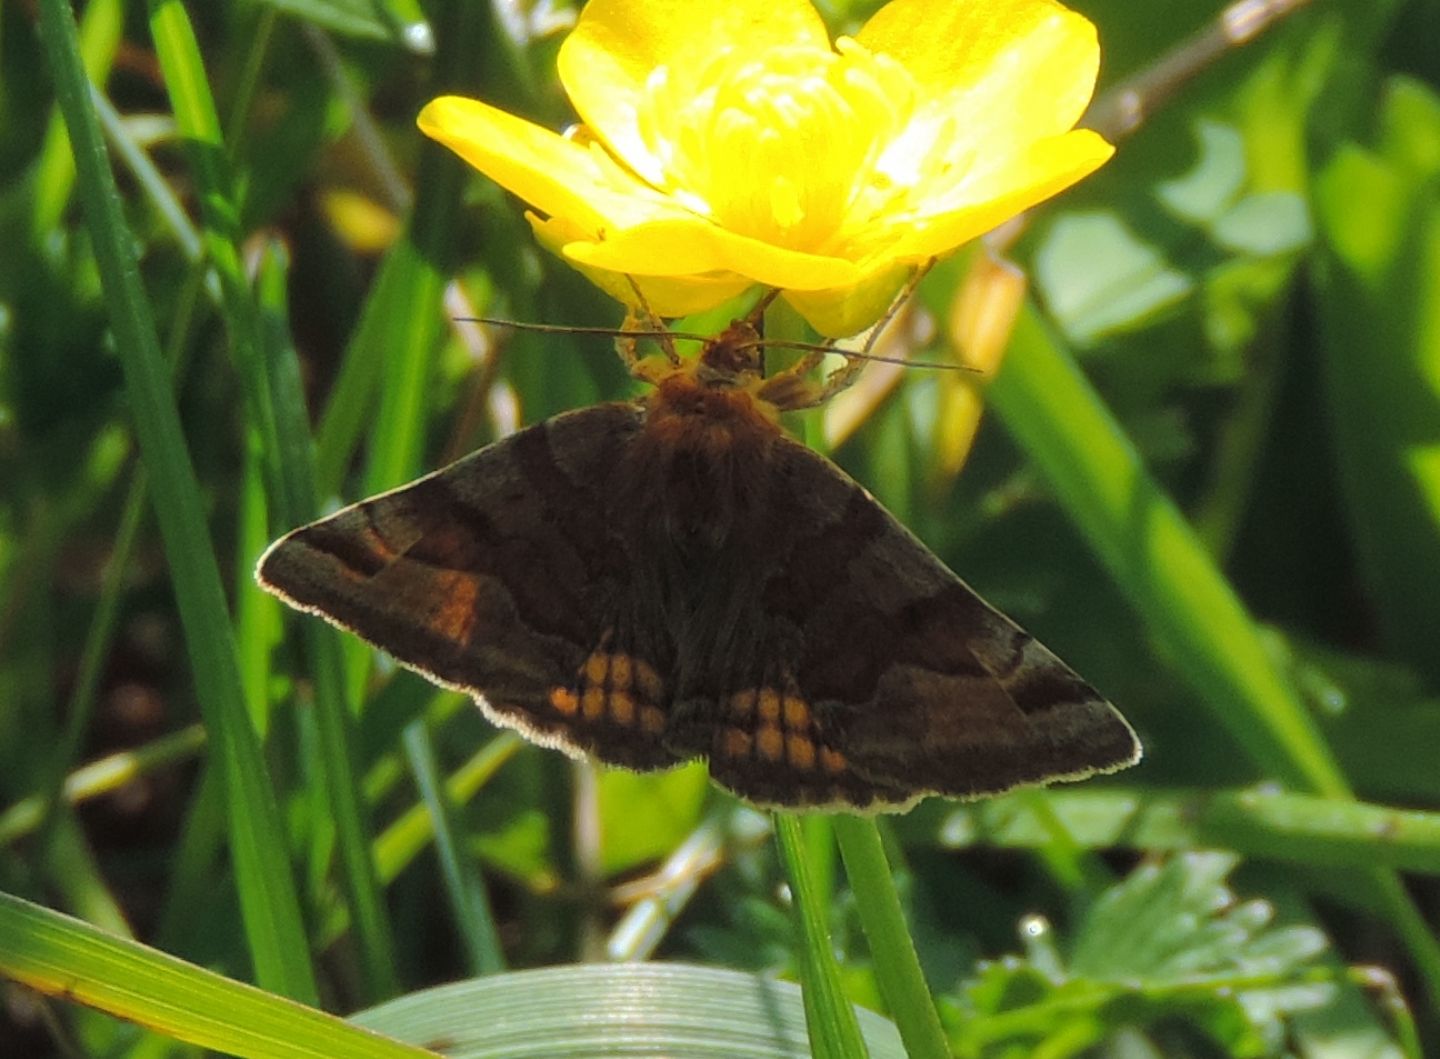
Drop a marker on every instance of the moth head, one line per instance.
(733, 359)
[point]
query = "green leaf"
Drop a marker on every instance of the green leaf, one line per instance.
(627, 1009)
(1168, 940)
(65, 957)
(645, 815)
(1380, 327)
(398, 21)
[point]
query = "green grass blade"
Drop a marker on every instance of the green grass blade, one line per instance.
(333, 720)
(276, 406)
(464, 888)
(81, 706)
(102, 777)
(586, 1010)
(834, 1032)
(403, 840)
(270, 906)
(1297, 828)
(1155, 557)
(897, 967)
(1379, 217)
(65, 957)
(100, 29)
(1157, 560)
(403, 320)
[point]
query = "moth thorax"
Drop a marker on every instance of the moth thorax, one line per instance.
(705, 453)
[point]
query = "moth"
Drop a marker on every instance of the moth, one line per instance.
(673, 578)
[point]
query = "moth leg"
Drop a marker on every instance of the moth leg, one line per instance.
(627, 346)
(841, 378)
(790, 396)
(641, 318)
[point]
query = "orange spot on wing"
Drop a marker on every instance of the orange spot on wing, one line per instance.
(455, 614)
(735, 742)
(797, 714)
(648, 682)
(832, 761)
(621, 672)
(622, 708)
(769, 704)
(771, 743)
(564, 700)
(800, 751)
(592, 703)
(597, 666)
(652, 720)
(742, 703)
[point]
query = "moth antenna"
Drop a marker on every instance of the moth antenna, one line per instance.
(877, 358)
(573, 329)
(690, 336)
(906, 292)
(842, 378)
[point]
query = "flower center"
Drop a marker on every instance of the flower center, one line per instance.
(785, 146)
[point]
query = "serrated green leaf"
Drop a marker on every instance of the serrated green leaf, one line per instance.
(1169, 940)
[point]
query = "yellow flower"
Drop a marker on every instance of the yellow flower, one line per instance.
(728, 143)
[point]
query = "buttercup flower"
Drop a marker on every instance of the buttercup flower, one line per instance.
(728, 143)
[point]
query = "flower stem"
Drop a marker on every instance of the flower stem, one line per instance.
(897, 968)
(834, 1031)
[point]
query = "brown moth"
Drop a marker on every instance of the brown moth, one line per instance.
(651, 582)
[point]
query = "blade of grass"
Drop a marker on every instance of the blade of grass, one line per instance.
(271, 384)
(1299, 828)
(196, 869)
(1380, 338)
(1158, 561)
(1155, 557)
(402, 320)
(834, 1031)
(81, 706)
(345, 803)
(582, 1011)
(103, 776)
(401, 842)
(100, 29)
(897, 967)
(65, 957)
(270, 906)
(78, 880)
(463, 884)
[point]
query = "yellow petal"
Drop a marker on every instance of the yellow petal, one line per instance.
(983, 201)
(1005, 66)
(1046, 169)
(607, 62)
(558, 176)
(664, 295)
(686, 246)
(845, 311)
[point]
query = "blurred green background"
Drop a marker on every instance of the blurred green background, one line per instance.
(1251, 288)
